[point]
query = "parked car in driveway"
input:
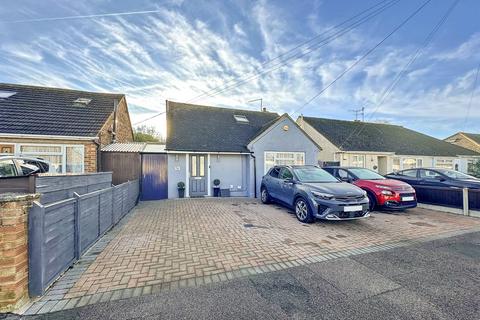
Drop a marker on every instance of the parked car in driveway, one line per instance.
(12, 166)
(383, 193)
(314, 193)
(436, 177)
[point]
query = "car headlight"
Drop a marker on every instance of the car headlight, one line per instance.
(380, 186)
(387, 192)
(321, 195)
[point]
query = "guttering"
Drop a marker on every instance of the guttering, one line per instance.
(42, 136)
(254, 174)
(204, 152)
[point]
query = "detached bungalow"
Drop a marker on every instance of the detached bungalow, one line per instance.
(65, 127)
(382, 147)
(236, 146)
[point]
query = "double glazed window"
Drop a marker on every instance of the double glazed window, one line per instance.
(444, 163)
(411, 163)
(358, 160)
(62, 158)
(283, 158)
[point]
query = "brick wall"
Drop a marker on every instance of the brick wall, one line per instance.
(124, 127)
(14, 250)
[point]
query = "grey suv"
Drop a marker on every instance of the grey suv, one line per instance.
(314, 193)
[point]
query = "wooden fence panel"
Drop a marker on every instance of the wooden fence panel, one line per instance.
(61, 231)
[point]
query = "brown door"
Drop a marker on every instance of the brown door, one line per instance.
(198, 175)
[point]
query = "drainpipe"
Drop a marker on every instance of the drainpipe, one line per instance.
(98, 165)
(254, 174)
(114, 130)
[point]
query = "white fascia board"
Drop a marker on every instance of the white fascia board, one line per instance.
(204, 152)
(368, 152)
(41, 136)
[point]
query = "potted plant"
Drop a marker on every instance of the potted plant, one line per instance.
(181, 189)
(216, 187)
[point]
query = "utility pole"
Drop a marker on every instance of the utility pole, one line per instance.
(359, 111)
(261, 102)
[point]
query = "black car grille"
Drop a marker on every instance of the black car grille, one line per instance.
(354, 214)
(350, 198)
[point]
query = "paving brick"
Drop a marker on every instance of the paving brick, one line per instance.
(169, 244)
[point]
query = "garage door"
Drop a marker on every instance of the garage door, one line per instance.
(154, 177)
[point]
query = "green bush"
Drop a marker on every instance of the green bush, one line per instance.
(216, 182)
(181, 185)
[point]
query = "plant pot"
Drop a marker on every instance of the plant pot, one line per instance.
(216, 191)
(181, 193)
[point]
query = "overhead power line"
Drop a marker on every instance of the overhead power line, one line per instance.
(384, 5)
(471, 98)
(364, 56)
(90, 16)
(402, 72)
(150, 118)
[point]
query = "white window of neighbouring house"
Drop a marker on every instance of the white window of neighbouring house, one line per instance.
(444, 163)
(396, 164)
(62, 158)
(283, 158)
(409, 163)
(358, 160)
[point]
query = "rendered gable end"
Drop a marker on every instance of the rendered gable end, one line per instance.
(277, 139)
(329, 150)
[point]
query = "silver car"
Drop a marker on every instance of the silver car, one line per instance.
(15, 166)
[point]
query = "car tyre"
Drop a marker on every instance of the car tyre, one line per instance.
(303, 212)
(373, 201)
(265, 196)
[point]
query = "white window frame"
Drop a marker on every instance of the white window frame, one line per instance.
(444, 166)
(276, 157)
(62, 153)
(357, 159)
(418, 162)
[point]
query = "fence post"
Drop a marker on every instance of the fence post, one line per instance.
(36, 252)
(466, 210)
(76, 224)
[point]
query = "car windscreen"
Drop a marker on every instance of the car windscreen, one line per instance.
(365, 174)
(313, 174)
(456, 175)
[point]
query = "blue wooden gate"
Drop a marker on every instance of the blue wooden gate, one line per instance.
(154, 176)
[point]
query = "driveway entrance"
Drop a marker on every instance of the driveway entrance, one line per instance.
(181, 243)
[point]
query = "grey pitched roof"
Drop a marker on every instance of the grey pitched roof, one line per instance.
(211, 129)
(474, 136)
(51, 111)
(378, 137)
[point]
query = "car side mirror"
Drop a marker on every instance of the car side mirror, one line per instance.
(289, 180)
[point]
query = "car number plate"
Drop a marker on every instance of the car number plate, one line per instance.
(408, 198)
(352, 208)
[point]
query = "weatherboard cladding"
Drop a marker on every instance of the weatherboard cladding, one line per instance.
(52, 111)
(474, 136)
(379, 137)
(212, 129)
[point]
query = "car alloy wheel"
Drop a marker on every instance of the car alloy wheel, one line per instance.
(264, 196)
(301, 210)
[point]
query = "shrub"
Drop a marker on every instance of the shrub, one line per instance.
(181, 185)
(216, 182)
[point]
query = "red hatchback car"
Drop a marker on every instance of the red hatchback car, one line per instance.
(383, 193)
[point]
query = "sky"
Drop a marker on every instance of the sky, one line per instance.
(227, 53)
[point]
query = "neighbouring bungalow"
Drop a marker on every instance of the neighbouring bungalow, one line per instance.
(382, 147)
(466, 140)
(233, 145)
(65, 127)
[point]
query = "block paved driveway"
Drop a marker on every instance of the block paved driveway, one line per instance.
(164, 245)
